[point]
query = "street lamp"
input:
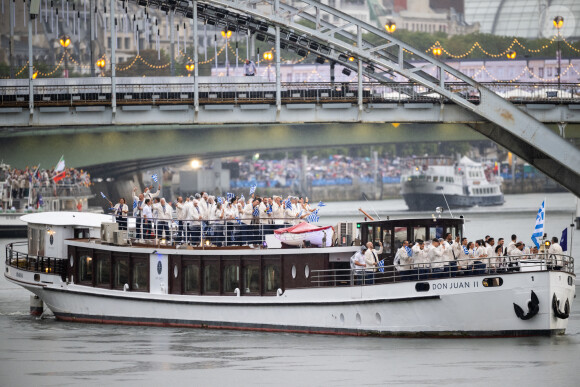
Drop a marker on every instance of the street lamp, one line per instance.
(390, 26)
(437, 51)
(268, 56)
(189, 66)
(227, 34)
(511, 54)
(65, 42)
(101, 63)
(558, 24)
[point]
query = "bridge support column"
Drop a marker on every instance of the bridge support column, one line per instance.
(195, 64)
(30, 64)
(360, 75)
(113, 61)
(278, 83)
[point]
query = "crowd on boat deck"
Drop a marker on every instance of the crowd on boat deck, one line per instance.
(441, 257)
(239, 220)
(27, 183)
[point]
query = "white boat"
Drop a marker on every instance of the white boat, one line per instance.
(431, 182)
(76, 264)
(306, 234)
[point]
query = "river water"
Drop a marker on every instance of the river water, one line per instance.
(51, 353)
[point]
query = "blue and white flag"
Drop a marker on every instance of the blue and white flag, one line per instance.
(269, 210)
(313, 217)
(256, 211)
(288, 204)
(465, 250)
(321, 204)
(230, 196)
(220, 200)
(382, 265)
(564, 239)
(238, 220)
(154, 177)
(134, 203)
(253, 189)
(409, 251)
(539, 228)
(103, 195)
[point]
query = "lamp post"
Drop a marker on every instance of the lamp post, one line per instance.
(65, 42)
(558, 23)
(390, 26)
(227, 34)
(511, 54)
(268, 57)
(101, 63)
(437, 51)
(189, 66)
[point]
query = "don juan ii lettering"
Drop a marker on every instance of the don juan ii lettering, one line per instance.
(454, 285)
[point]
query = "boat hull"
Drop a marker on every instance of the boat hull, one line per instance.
(451, 307)
(429, 201)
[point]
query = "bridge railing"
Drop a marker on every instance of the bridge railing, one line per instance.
(158, 93)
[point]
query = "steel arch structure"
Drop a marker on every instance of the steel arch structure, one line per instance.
(303, 30)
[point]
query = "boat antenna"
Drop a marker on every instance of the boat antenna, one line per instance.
(449, 208)
(364, 195)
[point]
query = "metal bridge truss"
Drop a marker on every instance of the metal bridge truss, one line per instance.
(303, 30)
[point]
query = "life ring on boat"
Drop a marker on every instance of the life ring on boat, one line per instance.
(533, 308)
(556, 308)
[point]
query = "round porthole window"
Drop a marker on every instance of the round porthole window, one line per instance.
(175, 271)
(306, 271)
(293, 271)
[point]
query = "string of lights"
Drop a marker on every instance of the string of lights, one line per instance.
(438, 45)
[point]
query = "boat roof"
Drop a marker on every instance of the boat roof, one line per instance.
(66, 218)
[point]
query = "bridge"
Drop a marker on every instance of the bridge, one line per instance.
(423, 98)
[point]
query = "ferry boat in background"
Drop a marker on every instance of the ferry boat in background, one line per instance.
(86, 270)
(56, 197)
(431, 182)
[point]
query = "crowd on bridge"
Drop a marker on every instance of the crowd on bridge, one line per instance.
(225, 219)
(442, 257)
(320, 171)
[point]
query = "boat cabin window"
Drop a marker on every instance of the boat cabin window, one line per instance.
(140, 274)
(36, 239)
(85, 268)
(190, 270)
(271, 276)
(400, 236)
(419, 233)
(387, 235)
(251, 277)
(211, 275)
(103, 269)
(120, 271)
(231, 276)
(81, 233)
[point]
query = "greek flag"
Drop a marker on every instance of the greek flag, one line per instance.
(288, 204)
(230, 196)
(238, 220)
(539, 228)
(382, 265)
(313, 218)
(465, 250)
(154, 177)
(321, 204)
(409, 251)
(256, 211)
(253, 189)
(103, 195)
(269, 210)
(134, 204)
(220, 200)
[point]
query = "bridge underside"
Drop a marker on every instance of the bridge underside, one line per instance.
(126, 149)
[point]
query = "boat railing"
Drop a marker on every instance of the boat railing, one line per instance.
(448, 269)
(221, 232)
(34, 263)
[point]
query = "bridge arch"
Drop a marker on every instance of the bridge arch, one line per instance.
(303, 30)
